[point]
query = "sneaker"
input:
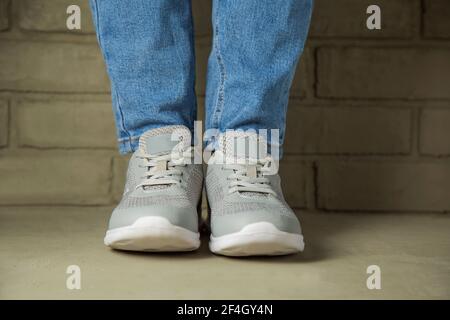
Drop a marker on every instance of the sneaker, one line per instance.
(159, 207)
(248, 213)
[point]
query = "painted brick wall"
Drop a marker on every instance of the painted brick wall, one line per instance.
(368, 122)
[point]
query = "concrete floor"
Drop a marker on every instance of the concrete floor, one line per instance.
(412, 250)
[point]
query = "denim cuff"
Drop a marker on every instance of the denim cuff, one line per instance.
(128, 145)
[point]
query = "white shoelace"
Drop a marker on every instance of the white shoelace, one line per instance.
(164, 169)
(250, 178)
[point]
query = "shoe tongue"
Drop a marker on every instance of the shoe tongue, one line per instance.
(163, 140)
(244, 147)
(239, 145)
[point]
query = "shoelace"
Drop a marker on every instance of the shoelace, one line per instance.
(163, 169)
(250, 178)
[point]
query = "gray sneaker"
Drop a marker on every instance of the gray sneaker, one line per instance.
(158, 210)
(249, 215)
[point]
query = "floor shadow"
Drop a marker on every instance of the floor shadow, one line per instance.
(319, 229)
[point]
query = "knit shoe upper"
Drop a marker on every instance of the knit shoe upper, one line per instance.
(161, 182)
(244, 189)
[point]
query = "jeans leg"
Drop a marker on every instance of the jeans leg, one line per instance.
(256, 47)
(149, 53)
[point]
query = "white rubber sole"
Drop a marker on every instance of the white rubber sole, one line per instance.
(261, 238)
(154, 234)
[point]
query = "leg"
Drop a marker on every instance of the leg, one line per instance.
(149, 53)
(257, 44)
(148, 49)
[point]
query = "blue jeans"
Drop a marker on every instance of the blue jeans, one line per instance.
(148, 46)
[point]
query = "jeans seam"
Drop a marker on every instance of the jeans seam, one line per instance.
(220, 100)
(192, 47)
(97, 19)
(122, 120)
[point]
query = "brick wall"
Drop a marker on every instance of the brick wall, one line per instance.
(368, 124)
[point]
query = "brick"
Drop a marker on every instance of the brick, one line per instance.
(301, 81)
(201, 11)
(347, 18)
(49, 66)
(120, 167)
(348, 130)
(40, 178)
(65, 124)
(294, 176)
(436, 19)
(4, 14)
(422, 73)
(378, 186)
(51, 16)
(435, 132)
(3, 123)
